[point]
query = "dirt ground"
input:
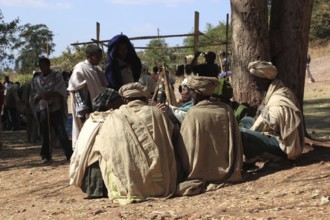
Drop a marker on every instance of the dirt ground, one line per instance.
(31, 190)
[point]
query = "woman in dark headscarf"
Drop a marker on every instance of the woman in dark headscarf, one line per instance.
(124, 66)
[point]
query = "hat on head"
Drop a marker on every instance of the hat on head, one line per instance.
(263, 69)
(203, 85)
(133, 90)
(101, 102)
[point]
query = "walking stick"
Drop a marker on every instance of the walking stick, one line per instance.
(168, 90)
(49, 131)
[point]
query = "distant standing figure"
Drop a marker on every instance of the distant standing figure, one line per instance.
(209, 68)
(49, 97)
(85, 84)
(13, 106)
(7, 83)
(2, 96)
(309, 75)
(124, 66)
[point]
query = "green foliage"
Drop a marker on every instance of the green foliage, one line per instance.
(34, 41)
(14, 77)
(8, 36)
(21, 78)
(213, 34)
(320, 23)
(155, 56)
(69, 58)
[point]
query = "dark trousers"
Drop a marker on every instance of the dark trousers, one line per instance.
(13, 120)
(258, 144)
(56, 122)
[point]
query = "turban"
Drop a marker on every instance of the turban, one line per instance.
(101, 102)
(132, 90)
(203, 85)
(263, 69)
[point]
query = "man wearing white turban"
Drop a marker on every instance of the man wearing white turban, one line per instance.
(209, 145)
(135, 151)
(277, 133)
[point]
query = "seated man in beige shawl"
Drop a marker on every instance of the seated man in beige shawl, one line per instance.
(134, 149)
(84, 169)
(277, 133)
(209, 146)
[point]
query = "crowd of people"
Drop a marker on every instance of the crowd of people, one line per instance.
(134, 139)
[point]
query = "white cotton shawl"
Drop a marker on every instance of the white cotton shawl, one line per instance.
(282, 118)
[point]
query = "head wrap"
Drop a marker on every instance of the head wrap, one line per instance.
(133, 90)
(263, 69)
(203, 85)
(112, 70)
(101, 102)
(184, 82)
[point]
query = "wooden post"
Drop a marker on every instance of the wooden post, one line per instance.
(226, 55)
(98, 33)
(196, 32)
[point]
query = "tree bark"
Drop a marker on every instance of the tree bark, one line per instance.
(289, 37)
(250, 42)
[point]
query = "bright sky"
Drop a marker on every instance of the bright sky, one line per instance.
(75, 20)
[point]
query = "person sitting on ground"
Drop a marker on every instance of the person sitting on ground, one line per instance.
(134, 149)
(124, 66)
(181, 111)
(209, 146)
(85, 84)
(84, 170)
(277, 133)
(224, 93)
(50, 99)
(209, 68)
(225, 69)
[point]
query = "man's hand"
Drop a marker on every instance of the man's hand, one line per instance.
(197, 53)
(161, 106)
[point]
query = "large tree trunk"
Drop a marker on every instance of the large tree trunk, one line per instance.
(289, 35)
(250, 42)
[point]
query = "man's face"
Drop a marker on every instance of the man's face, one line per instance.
(122, 50)
(44, 67)
(185, 94)
(95, 59)
(194, 97)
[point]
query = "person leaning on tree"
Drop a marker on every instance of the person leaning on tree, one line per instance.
(277, 134)
(49, 97)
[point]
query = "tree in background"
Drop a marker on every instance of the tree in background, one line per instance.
(8, 36)
(212, 34)
(284, 42)
(34, 41)
(249, 43)
(69, 58)
(155, 56)
(320, 25)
